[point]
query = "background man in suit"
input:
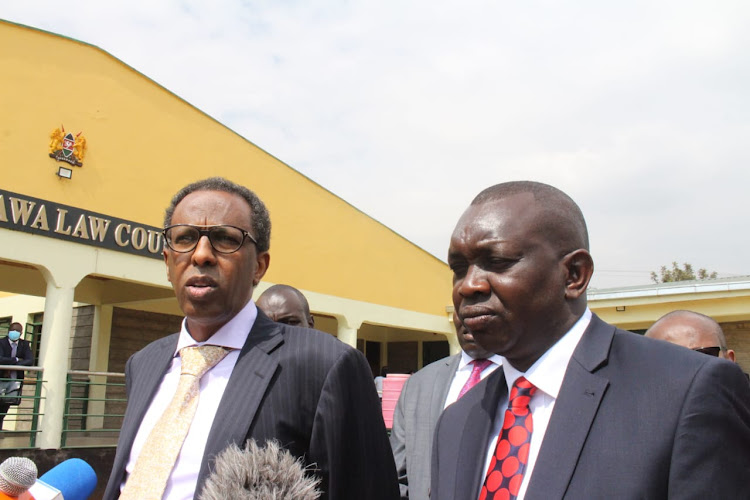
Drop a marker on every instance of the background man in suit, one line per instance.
(595, 412)
(285, 304)
(303, 388)
(423, 399)
(13, 351)
(692, 330)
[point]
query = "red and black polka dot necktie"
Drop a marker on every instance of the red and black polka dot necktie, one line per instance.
(505, 473)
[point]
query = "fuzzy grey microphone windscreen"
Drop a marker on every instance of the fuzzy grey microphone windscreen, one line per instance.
(259, 473)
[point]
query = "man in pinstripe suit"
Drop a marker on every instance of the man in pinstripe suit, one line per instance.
(303, 388)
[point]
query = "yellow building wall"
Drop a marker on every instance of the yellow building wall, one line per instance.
(144, 143)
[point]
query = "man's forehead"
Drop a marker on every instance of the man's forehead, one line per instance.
(280, 298)
(219, 205)
(273, 298)
(491, 213)
(512, 218)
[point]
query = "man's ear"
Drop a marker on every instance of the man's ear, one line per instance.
(579, 267)
(263, 260)
(166, 262)
(730, 355)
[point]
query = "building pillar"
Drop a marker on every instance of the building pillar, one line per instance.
(54, 353)
(99, 362)
(347, 335)
(347, 330)
(54, 358)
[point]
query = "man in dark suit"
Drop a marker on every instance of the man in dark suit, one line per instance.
(421, 402)
(595, 412)
(13, 351)
(300, 387)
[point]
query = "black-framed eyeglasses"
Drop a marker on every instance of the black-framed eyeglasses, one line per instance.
(183, 238)
(711, 351)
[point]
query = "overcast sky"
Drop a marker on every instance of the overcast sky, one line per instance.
(406, 109)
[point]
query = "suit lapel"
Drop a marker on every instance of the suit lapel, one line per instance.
(245, 390)
(143, 386)
(476, 432)
(148, 380)
(442, 386)
(575, 409)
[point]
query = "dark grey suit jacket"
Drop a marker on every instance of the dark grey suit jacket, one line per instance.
(635, 418)
(420, 404)
(23, 353)
(302, 387)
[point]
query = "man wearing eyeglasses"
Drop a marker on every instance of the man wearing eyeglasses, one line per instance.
(300, 387)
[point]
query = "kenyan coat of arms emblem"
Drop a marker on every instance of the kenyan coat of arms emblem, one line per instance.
(67, 147)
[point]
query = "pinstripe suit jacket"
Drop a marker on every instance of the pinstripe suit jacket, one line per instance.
(302, 387)
(419, 406)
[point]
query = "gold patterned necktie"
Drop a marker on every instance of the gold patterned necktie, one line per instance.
(159, 453)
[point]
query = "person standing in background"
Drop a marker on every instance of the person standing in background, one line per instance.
(285, 304)
(13, 351)
(423, 399)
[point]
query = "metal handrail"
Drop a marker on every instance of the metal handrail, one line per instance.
(34, 415)
(21, 367)
(99, 425)
(92, 421)
(95, 374)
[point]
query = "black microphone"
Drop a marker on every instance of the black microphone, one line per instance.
(17, 475)
(259, 473)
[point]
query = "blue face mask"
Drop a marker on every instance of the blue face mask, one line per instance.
(14, 335)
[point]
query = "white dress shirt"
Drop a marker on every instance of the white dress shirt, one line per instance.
(464, 372)
(546, 374)
(184, 478)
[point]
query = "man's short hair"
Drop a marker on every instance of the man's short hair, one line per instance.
(261, 221)
(280, 289)
(563, 217)
(711, 323)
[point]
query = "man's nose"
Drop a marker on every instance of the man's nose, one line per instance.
(204, 253)
(474, 282)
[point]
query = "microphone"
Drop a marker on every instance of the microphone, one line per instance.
(72, 479)
(259, 473)
(17, 475)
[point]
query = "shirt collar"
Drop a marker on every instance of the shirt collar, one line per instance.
(548, 371)
(466, 359)
(232, 335)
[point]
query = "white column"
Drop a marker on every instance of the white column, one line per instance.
(347, 330)
(99, 362)
(347, 335)
(54, 357)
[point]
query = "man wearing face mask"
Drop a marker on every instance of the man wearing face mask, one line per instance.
(13, 351)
